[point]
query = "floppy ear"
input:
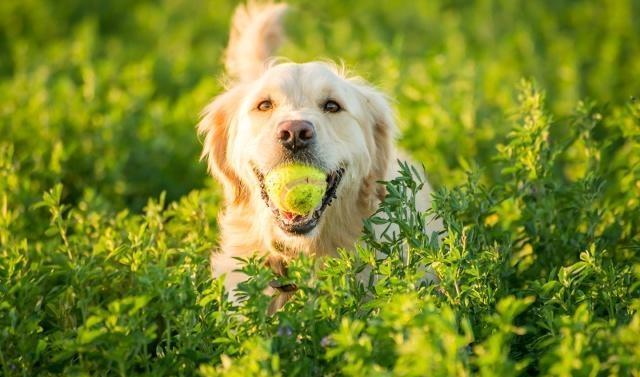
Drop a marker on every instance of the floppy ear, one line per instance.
(382, 119)
(214, 125)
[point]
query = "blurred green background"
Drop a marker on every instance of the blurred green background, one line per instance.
(104, 95)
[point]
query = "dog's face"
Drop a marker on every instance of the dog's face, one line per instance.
(306, 113)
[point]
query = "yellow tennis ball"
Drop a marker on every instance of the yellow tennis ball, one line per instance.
(296, 188)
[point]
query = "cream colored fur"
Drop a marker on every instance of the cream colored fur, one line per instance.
(238, 138)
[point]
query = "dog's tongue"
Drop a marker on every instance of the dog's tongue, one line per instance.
(290, 216)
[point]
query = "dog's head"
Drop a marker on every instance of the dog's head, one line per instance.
(310, 113)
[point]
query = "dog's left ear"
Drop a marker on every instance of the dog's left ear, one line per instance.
(215, 123)
(382, 119)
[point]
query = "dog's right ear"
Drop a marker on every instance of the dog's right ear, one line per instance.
(214, 125)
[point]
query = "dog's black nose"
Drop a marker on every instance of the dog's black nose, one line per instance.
(295, 134)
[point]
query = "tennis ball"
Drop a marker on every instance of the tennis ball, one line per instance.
(296, 188)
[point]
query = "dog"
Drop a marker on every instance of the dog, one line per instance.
(277, 112)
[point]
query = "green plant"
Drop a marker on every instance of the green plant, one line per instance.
(106, 219)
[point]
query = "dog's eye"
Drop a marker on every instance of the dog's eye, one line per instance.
(331, 107)
(265, 105)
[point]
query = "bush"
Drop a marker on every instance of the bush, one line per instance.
(106, 221)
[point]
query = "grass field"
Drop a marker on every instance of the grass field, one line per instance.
(523, 113)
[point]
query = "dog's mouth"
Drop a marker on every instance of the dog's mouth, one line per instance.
(295, 223)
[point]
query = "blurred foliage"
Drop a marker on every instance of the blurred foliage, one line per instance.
(107, 218)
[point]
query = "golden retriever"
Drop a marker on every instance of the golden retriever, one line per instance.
(278, 112)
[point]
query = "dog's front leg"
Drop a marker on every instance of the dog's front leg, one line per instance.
(224, 265)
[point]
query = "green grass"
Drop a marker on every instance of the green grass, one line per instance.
(107, 217)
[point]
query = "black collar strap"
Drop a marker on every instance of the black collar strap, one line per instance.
(283, 287)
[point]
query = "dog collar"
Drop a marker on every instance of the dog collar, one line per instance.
(283, 287)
